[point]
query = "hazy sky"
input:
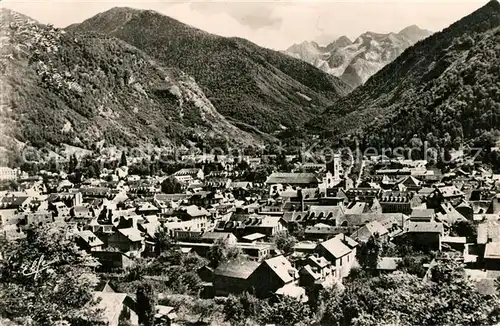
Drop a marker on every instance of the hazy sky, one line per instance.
(274, 24)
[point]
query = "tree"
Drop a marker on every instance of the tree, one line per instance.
(146, 304)
(205, 309)
(73, 163)
(368, 254)
(328, 308)
(446, 298)
(45, 278)
(238, 309)
(286, 310)
(464, 229)
(163, 241)
(221, 252)
(412, 265)
(285, 242)
(455, 299)
(53, 165)
(123, 159)
(171, 186)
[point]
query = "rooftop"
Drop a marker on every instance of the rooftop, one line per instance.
(292, 178)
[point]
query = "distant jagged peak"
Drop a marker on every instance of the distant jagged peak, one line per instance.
(344, 38)
(414, 33)
(305, 44)
(341, 42)
(373, 35)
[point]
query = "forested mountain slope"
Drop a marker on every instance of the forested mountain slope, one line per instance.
(444, 90)
(81, 89)
(246, 83)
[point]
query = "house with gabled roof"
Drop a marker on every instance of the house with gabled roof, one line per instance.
(445, 194)
(340, 251)
(372, 229)
(15, 201)
(425, 236)
(422, 215)
(234, 276)
(116, 307)
(321, 231)
(129, 240)
(81, 213)
(263, 279)
(271, 275)
(88, 241)
(410, 182)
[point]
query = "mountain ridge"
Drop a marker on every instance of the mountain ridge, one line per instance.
(443, 90)
(247, 83)
(82, 89)
(356, 61)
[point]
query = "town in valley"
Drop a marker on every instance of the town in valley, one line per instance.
(264, 190)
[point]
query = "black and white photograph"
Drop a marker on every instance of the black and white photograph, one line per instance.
(249, 163)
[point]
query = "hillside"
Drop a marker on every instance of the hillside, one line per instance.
(355, 62)
(248, 84)
(445, 89)
(82, 89)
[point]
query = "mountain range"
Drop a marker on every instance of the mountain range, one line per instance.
(251, 86)
(443, 90)
(138, 77)
(356, 61)
(128, 77)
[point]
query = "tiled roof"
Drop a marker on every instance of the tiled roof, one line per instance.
(216, 235)
(292, 178)
(132, 234)
(424, 227)
(254, 236)
(282, 268)
(325, 212)
(90, 238)
(321, 228)
(193, 171)
(492, 250)
(241, 184)
(422, 213)
(349, 241)
(237, 269)
(335, 247)
(195, 211)
(363, 192)
(371, 229)
(171, 197)
(362, 219)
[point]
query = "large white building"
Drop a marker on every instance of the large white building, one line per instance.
(7, 173)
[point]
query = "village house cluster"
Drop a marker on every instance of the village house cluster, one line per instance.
(116, 219)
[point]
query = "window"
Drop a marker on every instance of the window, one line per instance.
(341, 261)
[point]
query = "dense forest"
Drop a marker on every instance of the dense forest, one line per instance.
(444, 90)
(246, 83)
